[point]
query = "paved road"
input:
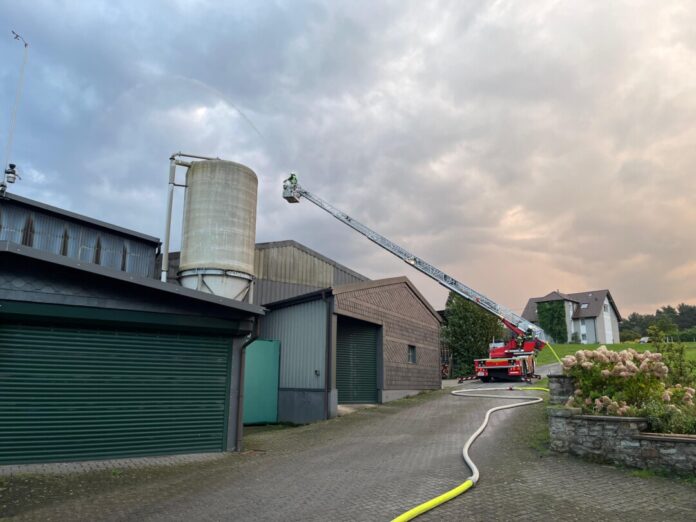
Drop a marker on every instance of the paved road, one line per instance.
(373, 465)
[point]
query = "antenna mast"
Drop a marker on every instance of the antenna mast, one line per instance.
(10, 174)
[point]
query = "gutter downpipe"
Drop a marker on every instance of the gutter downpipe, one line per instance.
(168, 226)
(327, 370)
(240, 372)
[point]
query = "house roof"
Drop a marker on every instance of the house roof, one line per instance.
(80, 218)
(341, 289)
(593, 299)
(555, 296)
(8, 248)
(314, 253)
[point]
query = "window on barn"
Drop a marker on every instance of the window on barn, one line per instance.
(98, 252)
(28, 233)
(411, 354)
(65, 242)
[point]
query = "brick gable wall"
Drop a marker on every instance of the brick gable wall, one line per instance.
(406, 321)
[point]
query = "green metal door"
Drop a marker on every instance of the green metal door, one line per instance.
(356, 361)
(79, 393)
(261, 374)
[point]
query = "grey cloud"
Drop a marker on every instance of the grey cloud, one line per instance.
(521, 146)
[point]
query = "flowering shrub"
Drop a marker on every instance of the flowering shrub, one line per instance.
(630, 383)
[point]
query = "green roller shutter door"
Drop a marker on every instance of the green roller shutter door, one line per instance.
(80, 393)
(356, 361)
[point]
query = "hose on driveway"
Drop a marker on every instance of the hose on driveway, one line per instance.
(473, 479)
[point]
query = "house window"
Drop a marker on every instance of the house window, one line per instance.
(584, 337)
(582, 322)
(411, 354)
(584, 305)
(606, 307)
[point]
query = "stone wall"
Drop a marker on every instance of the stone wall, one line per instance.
(620, 440)
(560, 388)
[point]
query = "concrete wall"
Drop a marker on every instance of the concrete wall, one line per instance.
(406, 320)
(620, 440)
(568, 307)
(607, 317)
(590, 330)
(301, 406)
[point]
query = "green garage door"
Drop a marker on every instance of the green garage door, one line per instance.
(356, 361)
(261, 373)
(78, 393)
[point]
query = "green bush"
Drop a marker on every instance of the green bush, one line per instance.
(631, 383)
(681, 371)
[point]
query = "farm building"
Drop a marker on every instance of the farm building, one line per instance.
(341, 337)
(97, 358)
(366, 342)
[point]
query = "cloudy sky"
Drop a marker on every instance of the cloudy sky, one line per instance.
(522, 147)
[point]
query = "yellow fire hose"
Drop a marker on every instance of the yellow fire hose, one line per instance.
(473, 479)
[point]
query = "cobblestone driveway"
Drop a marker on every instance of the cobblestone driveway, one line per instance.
(373, 465)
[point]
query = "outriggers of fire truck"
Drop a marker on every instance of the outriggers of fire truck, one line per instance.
(514, 359)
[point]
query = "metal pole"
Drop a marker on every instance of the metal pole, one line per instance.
(13, 117)
(168, 219)
(184, 155)
(173, 162)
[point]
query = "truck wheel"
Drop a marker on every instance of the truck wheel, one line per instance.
(486, 379)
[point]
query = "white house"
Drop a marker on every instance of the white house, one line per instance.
(592, 315)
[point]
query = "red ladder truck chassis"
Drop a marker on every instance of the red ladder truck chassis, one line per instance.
(512, 360)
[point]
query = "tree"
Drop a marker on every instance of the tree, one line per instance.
(467, 331)
(669, 313)
(552, 319)
(665, 324)
(636, 322)
(628, 334)
(686, 317)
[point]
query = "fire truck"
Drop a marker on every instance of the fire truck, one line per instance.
(513, 359)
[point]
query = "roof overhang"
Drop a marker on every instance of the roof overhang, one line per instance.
(8, 248)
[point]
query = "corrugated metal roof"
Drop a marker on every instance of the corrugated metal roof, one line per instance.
(290, 264)
(79, 239)
(313, 253)
(79, 218)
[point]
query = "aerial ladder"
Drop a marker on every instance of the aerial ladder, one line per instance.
(512, 359)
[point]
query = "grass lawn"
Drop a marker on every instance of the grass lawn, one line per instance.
(546, 356)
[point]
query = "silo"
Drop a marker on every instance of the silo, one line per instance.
(219, 228)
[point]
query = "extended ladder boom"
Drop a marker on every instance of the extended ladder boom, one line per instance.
(292, 192)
